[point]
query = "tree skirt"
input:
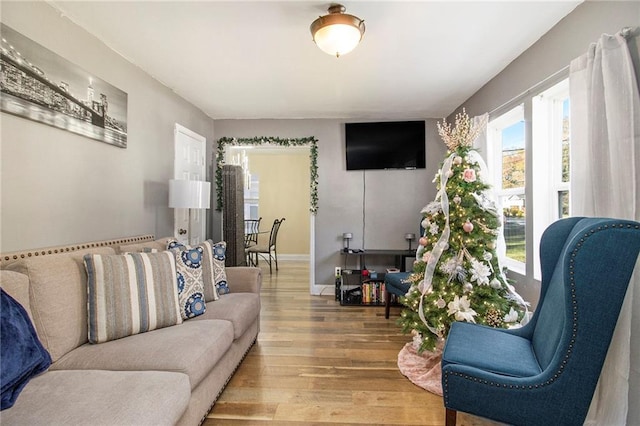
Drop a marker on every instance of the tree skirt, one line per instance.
(424, 369)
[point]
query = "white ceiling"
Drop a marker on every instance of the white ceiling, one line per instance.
(240, 59)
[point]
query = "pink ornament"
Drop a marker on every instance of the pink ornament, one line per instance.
(423, 241)
(469, 175)
(468, 226)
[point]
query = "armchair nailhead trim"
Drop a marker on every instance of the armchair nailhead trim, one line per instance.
(574, 302)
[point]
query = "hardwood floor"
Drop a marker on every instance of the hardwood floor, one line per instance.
(317, 363)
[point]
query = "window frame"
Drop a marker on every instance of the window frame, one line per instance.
(541, 109)
(547, 156)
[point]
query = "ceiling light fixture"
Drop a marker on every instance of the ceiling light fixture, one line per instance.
(337, 33)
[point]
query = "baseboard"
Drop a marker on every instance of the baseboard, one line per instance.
(300, 257)
(323, 290)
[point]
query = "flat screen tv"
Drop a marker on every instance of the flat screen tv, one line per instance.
(385, 145)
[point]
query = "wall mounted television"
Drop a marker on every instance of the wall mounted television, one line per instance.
(385, 145)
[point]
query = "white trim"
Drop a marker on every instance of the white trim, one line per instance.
(178, 128)
(322, 290)
(547, 160)
(312, 256)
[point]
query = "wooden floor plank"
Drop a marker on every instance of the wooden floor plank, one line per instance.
(319, 363)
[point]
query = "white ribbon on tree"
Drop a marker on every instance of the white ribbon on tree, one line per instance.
(442, 243)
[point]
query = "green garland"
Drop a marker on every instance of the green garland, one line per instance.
(311, 141)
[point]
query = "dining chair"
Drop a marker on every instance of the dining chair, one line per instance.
(251, 233)
(269, 252)
(546, 371)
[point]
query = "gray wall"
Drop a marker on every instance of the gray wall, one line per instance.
(393, 198)
(554, 51)
(58, 187)
(569, 39)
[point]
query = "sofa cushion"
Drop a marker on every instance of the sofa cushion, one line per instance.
(501, 353)
(130, 294)
(101, 398)
(189, 281)
(213, 270)
(58, 298)
(21, 354)
(192, 348)
(17, 285)
(241, 309)
(146, 247)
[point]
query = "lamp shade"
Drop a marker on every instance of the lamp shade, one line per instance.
(189, 194)
(337, 33)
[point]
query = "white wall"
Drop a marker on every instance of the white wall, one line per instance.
(554, 51)
(393, 199)
(58, 187)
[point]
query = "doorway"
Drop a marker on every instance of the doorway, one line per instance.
(307, 148)
(189, 164)
(276, 187)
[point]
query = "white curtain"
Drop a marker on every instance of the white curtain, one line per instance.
(605, 173)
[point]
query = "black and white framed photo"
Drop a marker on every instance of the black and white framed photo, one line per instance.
(39, 85)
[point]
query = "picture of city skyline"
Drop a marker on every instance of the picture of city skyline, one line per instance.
(39, 85)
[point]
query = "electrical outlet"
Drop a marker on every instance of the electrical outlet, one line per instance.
(338, 271)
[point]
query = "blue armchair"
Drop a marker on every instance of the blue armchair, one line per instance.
(396, 284)
(546, 371)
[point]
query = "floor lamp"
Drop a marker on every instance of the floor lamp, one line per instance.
(189, 194)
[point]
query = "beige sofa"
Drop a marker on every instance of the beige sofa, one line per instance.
(167, 376)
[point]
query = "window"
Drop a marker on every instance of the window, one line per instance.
(252, 197)
(507, 142)
(531, 169)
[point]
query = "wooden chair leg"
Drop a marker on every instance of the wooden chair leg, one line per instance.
(387, 304)
(450, 417)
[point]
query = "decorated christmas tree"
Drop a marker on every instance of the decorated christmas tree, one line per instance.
(457, 275)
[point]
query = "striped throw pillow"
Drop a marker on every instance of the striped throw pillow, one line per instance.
(130, 294)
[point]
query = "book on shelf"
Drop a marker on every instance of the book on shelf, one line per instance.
(373, 292)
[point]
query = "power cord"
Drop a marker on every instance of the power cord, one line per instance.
(364, 211)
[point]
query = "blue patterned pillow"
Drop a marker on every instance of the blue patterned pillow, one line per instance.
(214, 275)
(220, 274)
(189, 281)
